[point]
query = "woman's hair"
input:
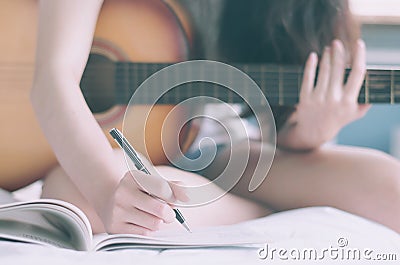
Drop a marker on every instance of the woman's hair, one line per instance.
(283, 31)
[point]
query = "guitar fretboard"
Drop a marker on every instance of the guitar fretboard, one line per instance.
(280, 84)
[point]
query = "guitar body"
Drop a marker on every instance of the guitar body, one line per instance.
(127, 30)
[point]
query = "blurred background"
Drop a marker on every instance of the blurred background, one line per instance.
(380, 128)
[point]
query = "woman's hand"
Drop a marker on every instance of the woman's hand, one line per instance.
(331, 104)
(133, 210)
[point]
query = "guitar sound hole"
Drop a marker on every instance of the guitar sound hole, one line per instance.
(98, 83)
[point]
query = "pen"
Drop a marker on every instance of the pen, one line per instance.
(128, 149)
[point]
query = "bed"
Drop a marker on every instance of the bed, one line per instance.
(320, 235)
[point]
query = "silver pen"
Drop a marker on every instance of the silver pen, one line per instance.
(128, 149)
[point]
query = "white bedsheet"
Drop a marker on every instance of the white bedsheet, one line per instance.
(316, 227)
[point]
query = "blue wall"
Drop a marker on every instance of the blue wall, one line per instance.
(374, 130)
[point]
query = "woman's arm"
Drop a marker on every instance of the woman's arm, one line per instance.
(328, 106)
(66, 29)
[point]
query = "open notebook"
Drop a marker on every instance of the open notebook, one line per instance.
(61, 224)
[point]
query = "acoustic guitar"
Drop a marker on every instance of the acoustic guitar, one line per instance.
(127, 31)
(119, 63)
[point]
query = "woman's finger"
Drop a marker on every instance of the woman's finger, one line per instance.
(338, 64)
(129, 228)
(310, 70)
(135, 229)
(155, 185)
(357, 75)
(143, 219)
(324, 73)
(153, 206)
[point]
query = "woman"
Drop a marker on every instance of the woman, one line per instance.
(115, 203)
(91, 175)
(361, 181)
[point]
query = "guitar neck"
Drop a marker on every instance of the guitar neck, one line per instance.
(280, 84)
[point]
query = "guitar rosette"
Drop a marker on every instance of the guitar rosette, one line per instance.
(198, 84)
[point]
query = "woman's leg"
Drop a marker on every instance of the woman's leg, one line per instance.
(57, 185)
(362, 181)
